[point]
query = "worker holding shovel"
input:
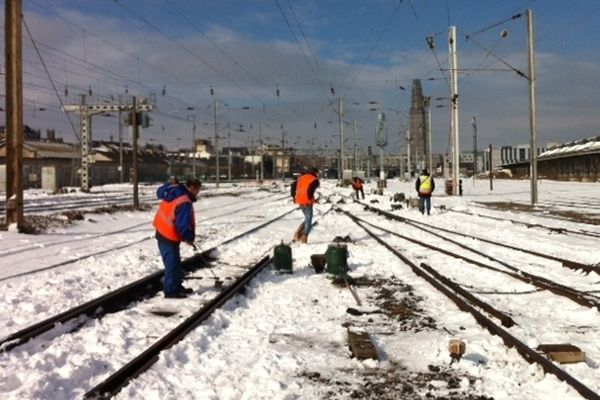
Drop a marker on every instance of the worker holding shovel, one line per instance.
(175, 223)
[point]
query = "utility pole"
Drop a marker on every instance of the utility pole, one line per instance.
(194, 147)
(218, 155)
(532, 120)
(354, 135)
(408, 166)
(229, 154)
(341, 163)
(135, 131)
(454, 112)
(85, 127)
(86, 111)
(120, 143)
(262, 153)
(491, 170)
(14, 113)
(474, 123)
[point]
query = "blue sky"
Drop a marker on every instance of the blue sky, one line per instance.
(365, 50)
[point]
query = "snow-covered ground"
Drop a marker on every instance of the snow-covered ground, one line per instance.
(285, 338)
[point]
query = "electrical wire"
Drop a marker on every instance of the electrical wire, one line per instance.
(518, 72)
(487, 28)
(50, 79)
(287, 22)
(215, 45)
(389, 21)
(105, 40)
(186, 50)
(316, 61)
(568, 24)
(431, 45)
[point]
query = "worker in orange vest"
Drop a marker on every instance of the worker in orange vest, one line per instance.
(175, 223)
(357, 185)
(303, 193)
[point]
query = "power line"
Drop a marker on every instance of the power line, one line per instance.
(215, 45)
(300, 47)
(50, 78)
(389, 21)
(316, 61)
(487, 28)
(107, 41)
(185, 49)
(431, 45)
(518, 72)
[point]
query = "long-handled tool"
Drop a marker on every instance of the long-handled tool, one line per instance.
(218, 282)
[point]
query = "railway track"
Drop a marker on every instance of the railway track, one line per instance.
(581, 232)
(116, 381)
(468, 302)
(577, 296)
(21, 249)
(90, 201)
(117, 299)
(203, 302)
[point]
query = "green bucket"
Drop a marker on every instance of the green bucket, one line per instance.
(337, 259)
(282, 258)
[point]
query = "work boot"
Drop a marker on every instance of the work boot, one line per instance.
(299, 232)
(304, 238)
(176, 295)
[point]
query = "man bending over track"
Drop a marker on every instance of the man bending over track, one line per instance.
(175, 223)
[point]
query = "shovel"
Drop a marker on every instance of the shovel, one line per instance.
(218, 282)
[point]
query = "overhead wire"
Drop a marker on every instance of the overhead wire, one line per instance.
(567, 25)
(188, 51)
(314, 57)
(50, 79)
(389, 21)
(106, 41)
(215, 45)
(501, 60)
(287, 22)
(116, 76)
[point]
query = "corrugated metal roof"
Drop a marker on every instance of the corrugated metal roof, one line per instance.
(582, 146)
(51, 149)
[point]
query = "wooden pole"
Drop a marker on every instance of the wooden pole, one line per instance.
(136, 129)
(14, 113)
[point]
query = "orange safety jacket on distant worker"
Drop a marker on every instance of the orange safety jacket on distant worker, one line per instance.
(303, 184)
(164, 220)
(357, 184)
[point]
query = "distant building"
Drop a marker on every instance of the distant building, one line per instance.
(50, 163)
(418, 127)
(574, 161)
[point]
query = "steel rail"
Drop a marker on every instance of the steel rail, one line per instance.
(582, 232)
(575, 295)
(566, 263)
(119, 298)
(107, 303)
(529, 354)
(115, 382)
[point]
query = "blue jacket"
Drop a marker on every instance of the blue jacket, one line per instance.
(183, 213)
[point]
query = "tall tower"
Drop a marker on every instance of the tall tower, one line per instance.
(418, 128)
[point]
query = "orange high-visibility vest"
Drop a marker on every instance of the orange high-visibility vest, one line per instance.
(164, 220)
(357, 185)
(302, 186)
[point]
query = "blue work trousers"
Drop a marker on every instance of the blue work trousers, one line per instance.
(425, 204)
(308, 214)
(172, 260)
